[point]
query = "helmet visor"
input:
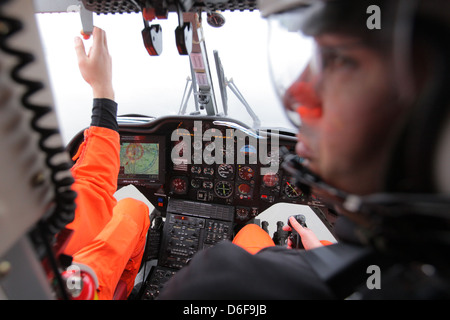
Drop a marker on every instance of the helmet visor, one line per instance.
(297, 62)
(290, 53)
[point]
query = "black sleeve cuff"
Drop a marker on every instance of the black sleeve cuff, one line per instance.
(104, 114)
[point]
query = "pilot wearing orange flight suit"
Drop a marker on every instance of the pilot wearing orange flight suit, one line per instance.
(109, 235)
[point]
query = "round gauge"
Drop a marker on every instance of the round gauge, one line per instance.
(292, 191)
(208, 171)
(246, 173)
(271, 180)
(215, 19)
(225, 170)
(195, 183)
(196, 169)
(242, 213)
(244, 188)
(223, 189)
(179, 185)
(207, 184)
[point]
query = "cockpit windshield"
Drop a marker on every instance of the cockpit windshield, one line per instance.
(159, 85)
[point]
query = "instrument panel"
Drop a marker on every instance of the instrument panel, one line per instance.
(208, 160)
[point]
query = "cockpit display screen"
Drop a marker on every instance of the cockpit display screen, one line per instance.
(141, 159)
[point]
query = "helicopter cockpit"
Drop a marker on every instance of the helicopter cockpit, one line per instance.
(205, 173)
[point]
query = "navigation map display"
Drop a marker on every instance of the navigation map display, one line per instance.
(140, 158)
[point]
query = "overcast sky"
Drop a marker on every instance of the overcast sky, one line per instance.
(155, 85)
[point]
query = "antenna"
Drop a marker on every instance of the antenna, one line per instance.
(224, 83)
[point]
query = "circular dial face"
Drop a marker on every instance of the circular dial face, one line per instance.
(215, 19)
(244, 188)
(242, 213)
(271, 179)
(207, 184)
(225, 170)
(195, 183)
(208, 171)
(246, 173)
(196, 169)
(291, 190)
(223, 189)
(179, 185)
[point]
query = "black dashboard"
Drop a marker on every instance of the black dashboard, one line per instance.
(206, 177)
(208, 160)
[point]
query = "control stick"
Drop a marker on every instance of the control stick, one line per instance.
(296, 240)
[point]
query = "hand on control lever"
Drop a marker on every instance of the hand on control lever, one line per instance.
(96, 65)
(308, 238)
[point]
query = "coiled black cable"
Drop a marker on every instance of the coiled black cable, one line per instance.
(64, 197)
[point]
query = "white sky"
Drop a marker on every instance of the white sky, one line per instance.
(155, 85)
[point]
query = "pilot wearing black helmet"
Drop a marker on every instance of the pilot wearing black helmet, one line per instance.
(372, 107)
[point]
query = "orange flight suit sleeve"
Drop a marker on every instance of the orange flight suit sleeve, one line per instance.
(95, 174)
(253, 238)
(109, 236)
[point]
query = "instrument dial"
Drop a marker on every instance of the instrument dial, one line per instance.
(242, 213)
(208, 171)
(225, 170)
(179, 185)
(223, 189)
(244, 188)
(271, 179)
(207, 184)
(195, 183)
(196, 169)
(246, 173)
(291, 191)
(215, 19)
